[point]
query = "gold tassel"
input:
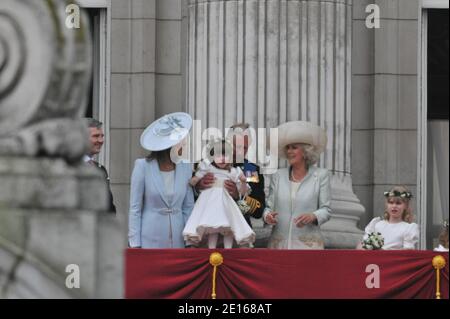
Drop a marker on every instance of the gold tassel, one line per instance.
(438, 263)
(215, 259)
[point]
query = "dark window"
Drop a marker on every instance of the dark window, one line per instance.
(437, 64)
(438, 120)
(94, 18)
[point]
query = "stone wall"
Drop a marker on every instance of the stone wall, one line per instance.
(146, 81)
(384, 101)
(52, 215)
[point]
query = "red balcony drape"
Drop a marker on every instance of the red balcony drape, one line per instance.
(273, 274)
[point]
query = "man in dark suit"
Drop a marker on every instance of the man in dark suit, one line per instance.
(96, 139)
(240, 136)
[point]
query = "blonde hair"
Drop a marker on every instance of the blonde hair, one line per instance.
(407, 215)
(310, 154)
(242, 126)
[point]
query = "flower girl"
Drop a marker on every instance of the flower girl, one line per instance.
(443, 238)
(396, 229)
(215, 212)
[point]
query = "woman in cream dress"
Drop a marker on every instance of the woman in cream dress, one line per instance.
(299, 195)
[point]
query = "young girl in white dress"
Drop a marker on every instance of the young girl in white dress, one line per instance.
(215, 212)
(396, 227)
(443, 238)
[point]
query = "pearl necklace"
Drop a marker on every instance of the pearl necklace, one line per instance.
(294, 179)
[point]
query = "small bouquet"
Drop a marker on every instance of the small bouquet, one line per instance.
(243, 206)
(373, 242)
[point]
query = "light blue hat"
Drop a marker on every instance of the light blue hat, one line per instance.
(166, 131)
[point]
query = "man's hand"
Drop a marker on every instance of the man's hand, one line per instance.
(231, 187)
(305, 219)
(205, 182)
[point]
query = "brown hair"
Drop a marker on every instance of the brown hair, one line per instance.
(407, 214)
(160, 156)
(93, 123)
(225, 149)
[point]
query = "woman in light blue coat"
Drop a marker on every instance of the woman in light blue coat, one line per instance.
(299, 196)
(161, 199)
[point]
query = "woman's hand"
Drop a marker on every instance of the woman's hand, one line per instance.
(271, 218)
(305, 219)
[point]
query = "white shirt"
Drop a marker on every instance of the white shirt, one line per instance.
(169, 179)
(401, 235)
(87, 158)
(205, 167)
(441, 248)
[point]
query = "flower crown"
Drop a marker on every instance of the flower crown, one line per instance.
(407, 195)
(445, 223)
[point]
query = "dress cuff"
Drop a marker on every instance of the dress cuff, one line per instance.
(134, 243)
(266, 212)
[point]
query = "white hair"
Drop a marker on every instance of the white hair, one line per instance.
(310, 154)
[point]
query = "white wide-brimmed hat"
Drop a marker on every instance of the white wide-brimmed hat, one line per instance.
(300, 132)
(166, 131)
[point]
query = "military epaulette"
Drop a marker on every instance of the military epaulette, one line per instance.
(253, 203)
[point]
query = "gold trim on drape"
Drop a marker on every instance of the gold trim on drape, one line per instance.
(438, 263)
(215, 259)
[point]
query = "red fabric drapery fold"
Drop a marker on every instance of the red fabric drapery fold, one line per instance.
(273, 274)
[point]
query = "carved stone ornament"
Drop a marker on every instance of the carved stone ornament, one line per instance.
(45, 74)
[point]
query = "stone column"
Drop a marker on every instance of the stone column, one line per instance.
(268, 62)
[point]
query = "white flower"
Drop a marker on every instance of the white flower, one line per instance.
(243, 206)
(374, 241)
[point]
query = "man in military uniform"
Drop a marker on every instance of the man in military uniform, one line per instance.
(241, 138)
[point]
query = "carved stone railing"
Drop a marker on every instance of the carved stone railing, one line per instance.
(51, 203)
(45, 71)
